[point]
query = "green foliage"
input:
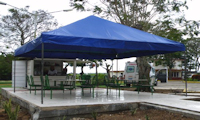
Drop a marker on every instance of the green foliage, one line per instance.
(100, 78)
(64, 118)
(8, 109)
(166, 28)
(5, 82)
(6, 66)
(133, 13)
(18, 26)
(193, 53)
(147, 117)
(0, 100)
(190, 79)
(94, 115)
(133, 111)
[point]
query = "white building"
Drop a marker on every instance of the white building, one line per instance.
(177, 70)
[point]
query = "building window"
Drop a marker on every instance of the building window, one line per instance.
(175, 74)
(130, 69)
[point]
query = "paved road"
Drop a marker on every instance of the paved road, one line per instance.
(191, 87)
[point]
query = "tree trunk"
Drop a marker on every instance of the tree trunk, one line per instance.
(82, 70)
(197, 64)
(108, 73)
(170, 73)
(108, 70)
(143, 67)
(144, 70)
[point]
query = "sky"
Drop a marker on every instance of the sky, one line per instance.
(65, 18)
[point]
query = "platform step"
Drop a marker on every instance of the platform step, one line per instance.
(184, 112)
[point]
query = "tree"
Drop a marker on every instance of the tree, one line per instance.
(193, 50)
(6, 66)
(20, 26)
(168, 29)
(134, 13)
(96, 65)
(82, 65)
(107, 68)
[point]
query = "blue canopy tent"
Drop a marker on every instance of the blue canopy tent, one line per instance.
(96, 38)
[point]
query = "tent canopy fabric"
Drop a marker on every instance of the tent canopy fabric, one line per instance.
(97, 38)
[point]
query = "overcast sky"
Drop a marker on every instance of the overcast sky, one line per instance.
(65, 18)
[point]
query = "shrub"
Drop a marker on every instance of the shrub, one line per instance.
(8, 109)
(94, 115)
(133, 111)
(100, 78)
(190, 79)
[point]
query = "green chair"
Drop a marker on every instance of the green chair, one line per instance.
(88, 83)
(70, 85)
(112, 83)
(31, 83)
(51, 88)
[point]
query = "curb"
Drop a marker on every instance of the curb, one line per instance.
(190, 91)
(184, 112)
(192, 81)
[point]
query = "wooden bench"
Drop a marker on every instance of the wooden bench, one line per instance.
(142, 83)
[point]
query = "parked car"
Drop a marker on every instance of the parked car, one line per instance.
(196, 76)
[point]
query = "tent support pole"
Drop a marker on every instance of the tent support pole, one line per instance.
(74, 70)
(112, 68)
(42, 72)
(14, 73)
(97, 82)
(25, 76)
(117, 65)
(185, 75)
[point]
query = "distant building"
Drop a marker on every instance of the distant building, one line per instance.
(177, 70)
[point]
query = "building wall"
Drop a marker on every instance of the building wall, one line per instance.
(30, 67)
(19, 73)
(176, 70)
(21, 68)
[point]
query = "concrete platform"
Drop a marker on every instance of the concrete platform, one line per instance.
(75, 104)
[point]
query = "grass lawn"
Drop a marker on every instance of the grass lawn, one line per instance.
(4, 84)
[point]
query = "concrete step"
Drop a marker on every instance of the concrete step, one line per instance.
(184, 112)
